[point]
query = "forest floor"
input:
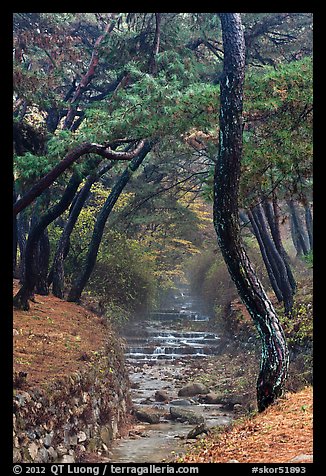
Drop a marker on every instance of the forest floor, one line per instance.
(282, 432)
(54, 338)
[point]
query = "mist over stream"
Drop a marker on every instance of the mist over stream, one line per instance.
(161, 353)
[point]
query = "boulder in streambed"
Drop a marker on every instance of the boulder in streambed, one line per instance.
(148, 415)
(180, 414)
(161, 396)
(198, 430)
(192, 389)
(182, 402)
(212, 397)
(229, 401)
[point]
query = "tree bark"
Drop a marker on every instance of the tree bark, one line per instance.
(262, 248)
(276, 260)
(78, 286)
(309, 223)
(274, 361)
(23, 295)
(72, 156)
(22, 230)
(156, 44)
(63, 245)
(42, 258)
(273, 218)
(298, 230)
(88, 76)
(15, 236)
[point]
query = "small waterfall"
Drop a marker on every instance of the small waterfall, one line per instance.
(159, 338)
(159, 351)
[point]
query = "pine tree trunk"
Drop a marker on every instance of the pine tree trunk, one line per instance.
(273, 217)
(22, 229)
(43, 258)
(274, 361)
(15, 237)
(309, 224)
(295, 239)
(80, 283)
(267, 263)
(63, 245)
(23, 295)
(276, 261)
(298, 230)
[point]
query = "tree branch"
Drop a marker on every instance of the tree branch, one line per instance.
(71, 157)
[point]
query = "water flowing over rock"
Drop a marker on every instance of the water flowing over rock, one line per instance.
(161, 353)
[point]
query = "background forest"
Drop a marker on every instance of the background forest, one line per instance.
(118, 228)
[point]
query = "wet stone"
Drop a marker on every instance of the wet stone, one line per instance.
(183, 415)
(180, 402)
(192, 389)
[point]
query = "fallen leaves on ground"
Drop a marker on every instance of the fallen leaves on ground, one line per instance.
(276, 435)
(55, 338)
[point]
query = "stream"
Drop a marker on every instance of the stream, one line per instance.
(160, 355)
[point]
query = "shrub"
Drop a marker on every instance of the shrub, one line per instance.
(123, 275)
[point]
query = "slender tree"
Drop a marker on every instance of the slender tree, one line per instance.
(299, 236)
(274, 360)
(275, 259)
(273, 218)
(87, 77)
(309, 221)
(57, 271)
(81, 281)
(30, 276)
(42, 258)
(267, 262)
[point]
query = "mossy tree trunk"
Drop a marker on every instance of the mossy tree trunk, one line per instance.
(274, 360)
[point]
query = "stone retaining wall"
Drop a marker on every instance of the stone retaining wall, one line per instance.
(82, 412)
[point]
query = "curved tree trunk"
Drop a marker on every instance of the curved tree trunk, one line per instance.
(274, 361)
(72, 156)
(63, 245)
(78, 286)
(88, 76)
(23, 295)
